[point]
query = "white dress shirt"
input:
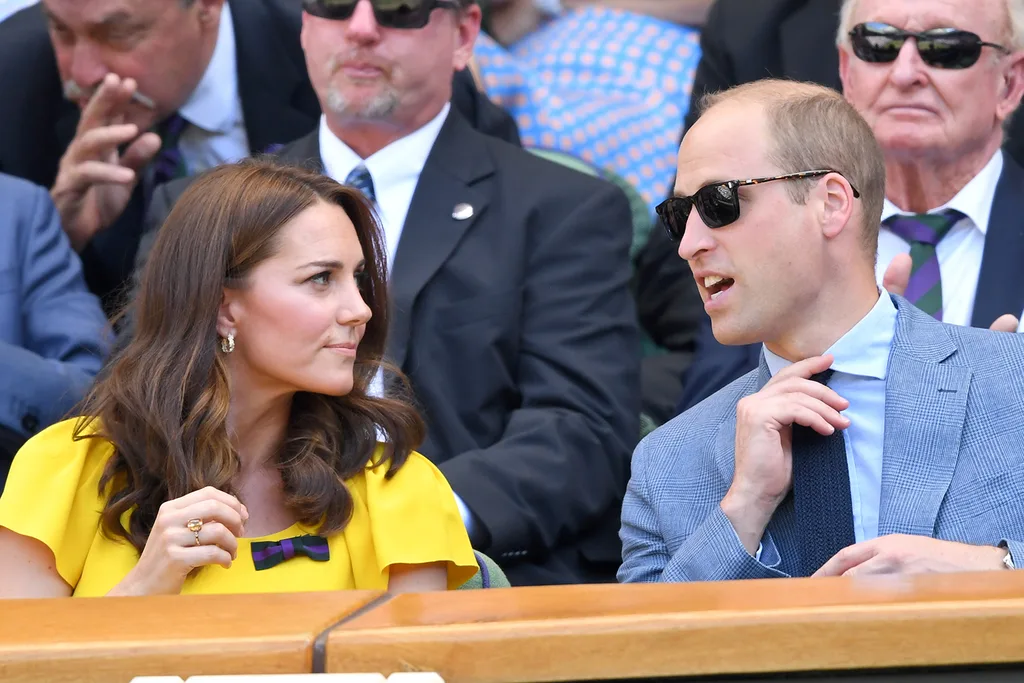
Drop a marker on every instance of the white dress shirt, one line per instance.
(395, 171)
(861, 364)
(960, 251)
(216, 134)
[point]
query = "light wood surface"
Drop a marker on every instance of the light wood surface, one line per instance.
(111, 640)
(578, 633)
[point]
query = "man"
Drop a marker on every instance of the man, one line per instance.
(872, 438)
(510, 283)
(53, 335)
(941, 130)
(125, 94)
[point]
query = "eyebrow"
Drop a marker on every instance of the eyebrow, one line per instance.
(118, 17)
(676, 193)
(329, 265)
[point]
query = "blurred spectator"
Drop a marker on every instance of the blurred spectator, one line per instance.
(942, 155)
(512, 314)
(53, 335)
(189, 84)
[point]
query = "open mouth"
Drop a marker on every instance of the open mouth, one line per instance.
(715, 285)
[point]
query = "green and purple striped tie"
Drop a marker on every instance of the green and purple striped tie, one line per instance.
(924, 231)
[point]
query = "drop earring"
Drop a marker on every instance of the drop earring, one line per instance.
(227, 345)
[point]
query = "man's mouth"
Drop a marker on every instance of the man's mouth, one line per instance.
(715, 285)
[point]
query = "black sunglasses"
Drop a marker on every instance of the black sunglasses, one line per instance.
(388, 13)
(718, 204)
(943, 48)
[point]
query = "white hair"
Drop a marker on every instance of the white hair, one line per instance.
(1014, 10)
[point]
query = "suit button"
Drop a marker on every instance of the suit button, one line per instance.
(30, 423)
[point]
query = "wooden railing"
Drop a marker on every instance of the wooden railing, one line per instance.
(572, 633)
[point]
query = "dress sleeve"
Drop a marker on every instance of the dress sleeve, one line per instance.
(413, 519)
(52, 494)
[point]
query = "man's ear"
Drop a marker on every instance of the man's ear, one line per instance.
(1013, 86)
(468, 28)
(837, 205)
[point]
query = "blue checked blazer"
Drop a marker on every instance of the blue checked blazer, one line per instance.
(952, 464)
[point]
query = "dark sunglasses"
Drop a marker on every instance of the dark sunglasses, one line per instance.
(943, 48)
(718, 204)
(388, 13)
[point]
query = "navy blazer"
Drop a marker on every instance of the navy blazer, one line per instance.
(52, 330)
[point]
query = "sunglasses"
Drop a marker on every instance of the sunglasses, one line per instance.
(943, 48)
(388, 13)
(718, 204)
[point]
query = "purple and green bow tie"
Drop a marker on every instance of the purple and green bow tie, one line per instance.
(267, 554)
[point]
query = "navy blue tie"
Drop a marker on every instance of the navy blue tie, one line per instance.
(821, 494)
(360, 179)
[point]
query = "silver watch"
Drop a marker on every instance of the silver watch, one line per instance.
(1008, 558)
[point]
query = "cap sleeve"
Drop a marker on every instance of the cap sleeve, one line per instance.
(52, 494)
(413, 519)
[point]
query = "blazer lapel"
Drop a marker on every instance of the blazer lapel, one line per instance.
(278, 104)
(458, 160)
(1001, 280)
(925, 408)
(807, 43)
(725, 438)
(304, 152)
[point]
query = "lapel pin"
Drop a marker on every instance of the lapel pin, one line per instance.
(462, 211)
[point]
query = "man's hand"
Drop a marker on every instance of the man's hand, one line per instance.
(94, 181)
(897, 277)
(764, 443)
(903, 554)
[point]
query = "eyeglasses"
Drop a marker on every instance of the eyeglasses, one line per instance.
(718, 204)
(943, 48)
(388, 13)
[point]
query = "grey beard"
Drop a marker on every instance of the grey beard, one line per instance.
(379, 107)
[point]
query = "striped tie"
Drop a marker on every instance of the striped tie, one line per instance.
(924, 231)
(360, 179)
(170, 163)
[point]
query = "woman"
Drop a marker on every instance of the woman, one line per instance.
(232, 446)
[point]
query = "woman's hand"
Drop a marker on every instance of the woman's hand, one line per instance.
(172, 550)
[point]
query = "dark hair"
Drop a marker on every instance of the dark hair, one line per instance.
(163, 403)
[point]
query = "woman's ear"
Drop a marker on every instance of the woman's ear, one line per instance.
(228, 313)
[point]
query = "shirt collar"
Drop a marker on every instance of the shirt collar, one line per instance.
(402, 159)
(864, 350)
(974, 200)
(213, 106)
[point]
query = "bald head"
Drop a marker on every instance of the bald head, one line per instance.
(813, 127)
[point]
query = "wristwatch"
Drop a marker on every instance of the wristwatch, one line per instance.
(1008, 558)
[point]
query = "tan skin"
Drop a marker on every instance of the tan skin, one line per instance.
(296, 325)
(833, 271)
(112, 49)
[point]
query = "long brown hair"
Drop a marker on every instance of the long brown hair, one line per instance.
(163, 402)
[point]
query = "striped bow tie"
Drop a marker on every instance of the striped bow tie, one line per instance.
(267, 554)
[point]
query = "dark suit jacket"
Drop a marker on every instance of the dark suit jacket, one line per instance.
(518, 332)
(1000, 291)
(278, 106)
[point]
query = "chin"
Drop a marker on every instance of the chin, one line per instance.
(733, 333)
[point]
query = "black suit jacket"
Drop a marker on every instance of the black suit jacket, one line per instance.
(1000, 291)
(518, 332)
(278, 105)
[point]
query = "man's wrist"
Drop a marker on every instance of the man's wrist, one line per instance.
(749, 520)
(1005, 557)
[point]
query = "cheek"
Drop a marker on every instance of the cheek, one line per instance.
(291, 320)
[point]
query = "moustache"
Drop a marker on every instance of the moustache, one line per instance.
(73, 91)
(337, 61)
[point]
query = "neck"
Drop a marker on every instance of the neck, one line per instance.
(257, 422)
(829, 316)
(920, 185)
(366, 138)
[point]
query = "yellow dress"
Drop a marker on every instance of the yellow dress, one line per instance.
(52, 495)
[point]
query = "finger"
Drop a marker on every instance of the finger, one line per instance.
(208, 493)
(108, 100)
(810, 418)
(806, 368)
(84, 175)
(1005, 323)
(98, 142)
(211, 510)
(897, 274)
(141, 152)
(877, 565)
(213, 533)
(816, 390)
(847, 558)
(190, 557)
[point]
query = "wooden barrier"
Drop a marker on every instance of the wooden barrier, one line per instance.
(578, 633)
(112, 640)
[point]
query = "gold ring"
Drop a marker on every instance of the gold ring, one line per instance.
(195, 526)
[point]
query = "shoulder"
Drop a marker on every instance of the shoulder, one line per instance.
(691, 435)
(415, 472)
(66, 441)
(995, 355)
(546, 177)
(21, 197)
